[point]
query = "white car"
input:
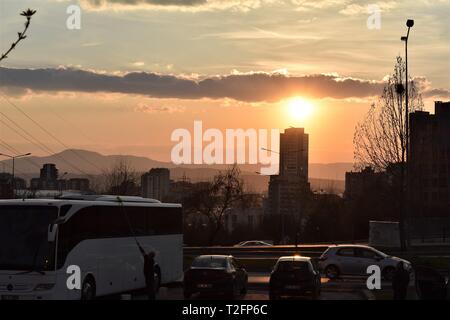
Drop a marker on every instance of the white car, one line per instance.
(354, 260)
(252, 243)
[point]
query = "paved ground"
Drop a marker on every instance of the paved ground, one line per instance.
(349, 288)
(177, 294)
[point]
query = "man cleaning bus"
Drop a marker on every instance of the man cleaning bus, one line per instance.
(149, 272)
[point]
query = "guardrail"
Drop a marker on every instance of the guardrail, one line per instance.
(259, 251)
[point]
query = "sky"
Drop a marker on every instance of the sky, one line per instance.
(137, 70)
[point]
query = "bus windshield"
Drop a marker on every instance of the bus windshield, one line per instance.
(23, 237)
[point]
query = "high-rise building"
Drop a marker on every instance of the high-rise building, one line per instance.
(49, 172)
(294, 153)
(155, 183)
(48, 178)
(288, 189)
(429, 162)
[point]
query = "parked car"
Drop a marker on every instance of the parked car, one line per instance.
(215, 274)
(294, 276)
(252, 243)
(430, 284)
(354, 260)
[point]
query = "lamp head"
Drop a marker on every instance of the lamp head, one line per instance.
(409, 23)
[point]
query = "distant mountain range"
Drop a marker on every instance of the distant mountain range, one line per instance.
(322, 176)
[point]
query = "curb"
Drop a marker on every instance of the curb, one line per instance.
(368, 295)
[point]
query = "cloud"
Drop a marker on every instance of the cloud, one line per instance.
(246, 87)
(258, 33)
(146, 108)
(438, 93)
(357, 9)
(138, 63)
(429, 92)
(308, 5)
(100, 3)
(180, 5)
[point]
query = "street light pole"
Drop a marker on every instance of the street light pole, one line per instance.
(405, 164)
(409, 24)
(13, 167)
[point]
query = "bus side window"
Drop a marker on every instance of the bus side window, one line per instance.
(113, 222)
(150, 221)
(138, 218)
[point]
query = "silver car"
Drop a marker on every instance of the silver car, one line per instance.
(354, 260)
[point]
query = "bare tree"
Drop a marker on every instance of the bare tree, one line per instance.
(213, 199)
(121, 179)
(20, 35)
(380, 139)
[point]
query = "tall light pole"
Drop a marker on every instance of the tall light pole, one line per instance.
(409, 24)
(405, 173)
(13, 166)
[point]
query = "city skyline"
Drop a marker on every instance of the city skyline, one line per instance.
(229, 64)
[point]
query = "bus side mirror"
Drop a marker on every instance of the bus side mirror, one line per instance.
(52, 229)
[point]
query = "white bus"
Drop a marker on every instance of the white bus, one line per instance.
(40, 239)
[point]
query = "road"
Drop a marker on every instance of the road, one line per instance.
(349, 288)
(177, 294)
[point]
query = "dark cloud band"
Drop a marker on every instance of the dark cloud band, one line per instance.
(252, 87)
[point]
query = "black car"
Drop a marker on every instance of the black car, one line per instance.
(294, 277)
(215, 274)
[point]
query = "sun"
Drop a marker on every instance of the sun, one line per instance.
(299, 108)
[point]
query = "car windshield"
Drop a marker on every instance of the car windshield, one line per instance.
(290, 266)
(23, 237)
(384, 255)
(210, 262)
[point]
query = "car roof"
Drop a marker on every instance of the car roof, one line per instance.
(294, 258)
(213, 256)
(96, 200)
(340, 246)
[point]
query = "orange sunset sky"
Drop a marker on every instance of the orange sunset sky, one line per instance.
(137, 70)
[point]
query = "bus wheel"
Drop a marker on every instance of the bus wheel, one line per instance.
(88, 289)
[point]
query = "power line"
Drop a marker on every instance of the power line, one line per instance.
(49, 133)
(14, 150)
(57, 115)
(30, 138)
(26, 135)
(8, 165)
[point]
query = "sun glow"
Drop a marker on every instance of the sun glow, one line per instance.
(299, 108)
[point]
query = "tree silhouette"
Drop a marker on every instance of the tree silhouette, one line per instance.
(214, 198)
(120, 179)
(380, 139)
(20, 35)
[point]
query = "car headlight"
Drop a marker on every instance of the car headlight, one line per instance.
(44, 286)
(407, 265)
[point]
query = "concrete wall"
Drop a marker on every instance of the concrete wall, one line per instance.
(384, 234)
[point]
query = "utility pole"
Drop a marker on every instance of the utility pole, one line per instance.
(405, 164)
(13, 168)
